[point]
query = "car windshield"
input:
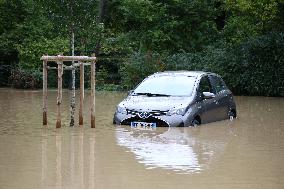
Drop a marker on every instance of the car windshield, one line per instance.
(166, 86)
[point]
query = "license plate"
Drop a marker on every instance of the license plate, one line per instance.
(143, 125)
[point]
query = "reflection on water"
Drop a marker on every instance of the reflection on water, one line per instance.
(178, 149)
(74, 167)
(58, 159)
(43, 157)
(245, 153)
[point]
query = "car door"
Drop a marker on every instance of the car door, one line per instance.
(208, 106)
(221, 97)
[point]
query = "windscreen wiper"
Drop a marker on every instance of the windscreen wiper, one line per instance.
(151, 94)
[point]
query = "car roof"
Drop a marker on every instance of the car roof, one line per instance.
(182, 72)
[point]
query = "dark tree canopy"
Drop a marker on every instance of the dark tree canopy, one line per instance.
(126, 34)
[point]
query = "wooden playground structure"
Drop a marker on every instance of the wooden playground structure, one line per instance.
(77, 61)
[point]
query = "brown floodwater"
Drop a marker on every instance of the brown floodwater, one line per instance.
(247, 152)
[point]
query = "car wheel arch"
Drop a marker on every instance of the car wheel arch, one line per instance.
(233, 112)
(196, 120)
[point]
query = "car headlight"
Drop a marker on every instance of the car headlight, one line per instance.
(176, 111)
(120, 109)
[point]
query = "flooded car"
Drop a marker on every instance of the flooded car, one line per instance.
(177, 98)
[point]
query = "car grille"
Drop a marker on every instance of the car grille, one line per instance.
(153, 112)
(160, 123)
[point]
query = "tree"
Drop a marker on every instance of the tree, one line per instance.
(168, 25)
(10, 34)
(26, 34)
(72, 18)
(248, 18)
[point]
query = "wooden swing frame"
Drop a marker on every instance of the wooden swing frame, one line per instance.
(79, 61)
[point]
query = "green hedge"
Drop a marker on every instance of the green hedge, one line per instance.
(254, 67)
(25, 79)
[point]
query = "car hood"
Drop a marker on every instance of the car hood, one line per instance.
(146, 103)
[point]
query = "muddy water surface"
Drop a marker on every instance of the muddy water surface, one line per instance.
(245, 153)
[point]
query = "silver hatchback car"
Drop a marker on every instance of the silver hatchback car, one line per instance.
(176, 98)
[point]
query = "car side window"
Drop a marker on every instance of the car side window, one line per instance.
(204, 86)
(218, 84)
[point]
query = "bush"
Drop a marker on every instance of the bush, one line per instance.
(254, 67)
(5, 71)
(25, 79)
(138, 66)
(261, 65)
(30, 53)
(101, 76)
(109, 87)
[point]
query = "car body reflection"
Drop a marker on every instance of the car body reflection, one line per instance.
(184, 150)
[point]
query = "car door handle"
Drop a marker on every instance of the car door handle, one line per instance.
(216, 101)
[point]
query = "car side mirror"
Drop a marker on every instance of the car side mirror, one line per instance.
(130, 92)
(208, 95)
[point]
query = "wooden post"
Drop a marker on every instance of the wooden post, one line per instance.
(93, 93)
(81, 93)
(73, 78)
(44, 91)
(59, 93)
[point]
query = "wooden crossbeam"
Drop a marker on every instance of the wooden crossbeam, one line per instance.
(85, 63)
(64, 68)
(67, 58)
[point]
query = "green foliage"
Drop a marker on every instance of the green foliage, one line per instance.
(78, 17)
(101, 76)
(117, 44)
(109, 87)
(26, 79)
(261, 64)
(5, 71)
(27, 34)
(13, 14)
(138, 66)
(254, 67)
(167, 26)
(249, 18)
(31, 52)
(241, 40)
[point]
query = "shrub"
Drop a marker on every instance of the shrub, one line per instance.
(26, 79)
(30, 53)
(138, 66)
(254, 67)
(261, 63)
(5, 71)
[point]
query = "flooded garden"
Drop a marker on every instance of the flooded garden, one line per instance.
(247, 152)
(120, 44)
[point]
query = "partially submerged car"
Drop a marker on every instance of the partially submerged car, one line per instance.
(177, 98)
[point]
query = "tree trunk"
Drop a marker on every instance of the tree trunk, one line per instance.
(101, 17)
(102, 11)
(72, 102)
